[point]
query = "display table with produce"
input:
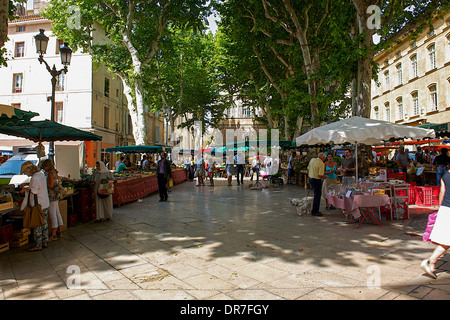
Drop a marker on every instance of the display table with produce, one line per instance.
(134, 186)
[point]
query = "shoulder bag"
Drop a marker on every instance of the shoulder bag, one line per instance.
(33, 216)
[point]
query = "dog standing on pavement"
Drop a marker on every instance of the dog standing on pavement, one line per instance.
(303, 206)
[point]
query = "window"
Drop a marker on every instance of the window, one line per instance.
(414, 73)
(60, 81)
(156, 134)
(432, 56)
(59, 44)
(20, 49)
(400, 108)
(59, 112)
(414, 44)
(399, 74)
(376, 113)
(433, 97)
(448, 47)
(387, 80)
(20, 29)
(17, 82)
(415, 99)
(106, 88)
(247, 112)
(15, 105)
(106, 117)
(388, 111)
(130, 125)
(399, 54)
(386, 62)
(431, 33)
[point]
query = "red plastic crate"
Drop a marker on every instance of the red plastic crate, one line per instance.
(6, 233)
(412, 194)
(427, 196)
(73, 219)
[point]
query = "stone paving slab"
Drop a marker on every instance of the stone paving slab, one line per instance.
(228, 243)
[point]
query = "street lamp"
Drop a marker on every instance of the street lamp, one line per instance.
(66, 55)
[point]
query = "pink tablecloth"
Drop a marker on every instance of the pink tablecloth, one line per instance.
(351, 204)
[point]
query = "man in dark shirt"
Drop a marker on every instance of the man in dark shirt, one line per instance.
(163, 172)
(420, 157)
(348, 167)
(441, 161)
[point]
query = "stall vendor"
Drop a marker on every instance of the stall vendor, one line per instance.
(348, 167)
(402, 159)
(123, 166)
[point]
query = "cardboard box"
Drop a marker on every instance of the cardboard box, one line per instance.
(4, 247)
(63, 210)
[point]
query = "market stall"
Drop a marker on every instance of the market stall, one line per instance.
(134, 186)
(74, 202)
(357, 130)
(137, 184)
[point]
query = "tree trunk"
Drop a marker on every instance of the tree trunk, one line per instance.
(364, 77)
(4, 13)
(139, 132)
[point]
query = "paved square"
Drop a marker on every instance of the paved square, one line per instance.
(227, 243)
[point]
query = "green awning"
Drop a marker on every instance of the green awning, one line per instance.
(11, 115)
(135, 149)
(436, 126)
(46, 130)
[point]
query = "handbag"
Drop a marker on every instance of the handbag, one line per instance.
(430, 225)
(33, 216)
(106, 187)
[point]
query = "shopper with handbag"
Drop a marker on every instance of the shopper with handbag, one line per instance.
(54, 194)
(103, 201)
(439, 234)
(38, 193)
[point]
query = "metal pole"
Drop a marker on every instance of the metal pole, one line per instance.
(51, 147)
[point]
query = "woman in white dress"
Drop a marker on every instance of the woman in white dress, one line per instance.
(103, 204)
(440, 235)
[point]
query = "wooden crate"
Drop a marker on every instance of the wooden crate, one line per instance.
(22, 233)
(4, 247)
(18, 243)
(7, 204)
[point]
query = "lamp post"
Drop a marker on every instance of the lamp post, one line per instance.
(66, 55)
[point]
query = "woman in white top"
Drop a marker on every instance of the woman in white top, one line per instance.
(38, 187)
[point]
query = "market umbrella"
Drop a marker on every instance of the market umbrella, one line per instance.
(361, 130)
(47, 130)
(135, 149)
(11, 115)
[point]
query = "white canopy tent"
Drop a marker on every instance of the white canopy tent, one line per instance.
(361, 130)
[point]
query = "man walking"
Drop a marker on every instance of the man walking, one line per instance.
(164, 173)
(316, 172)
(240, 163)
